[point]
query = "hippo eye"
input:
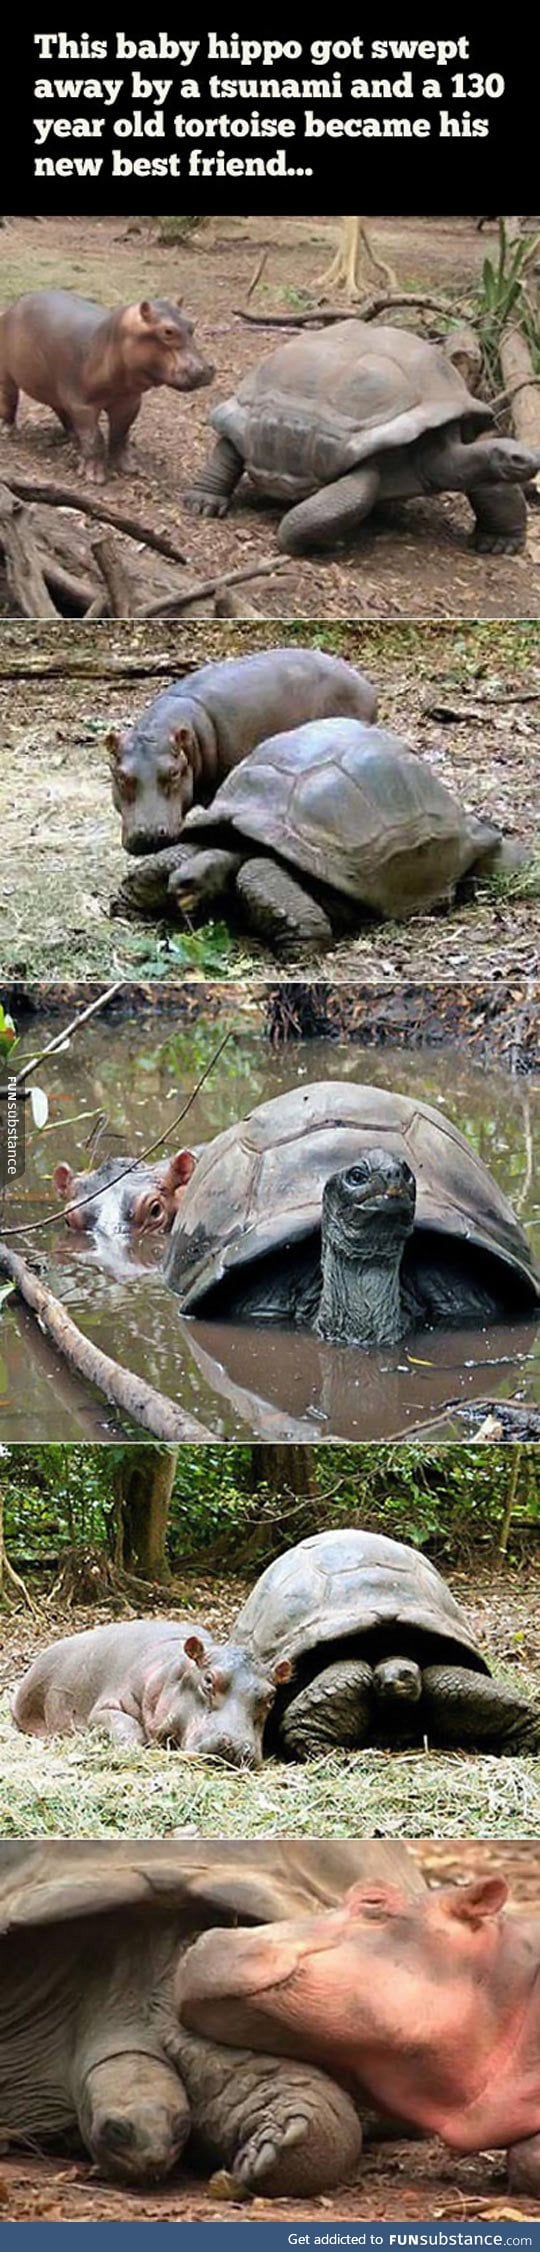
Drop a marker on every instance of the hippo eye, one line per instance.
(156, 1209)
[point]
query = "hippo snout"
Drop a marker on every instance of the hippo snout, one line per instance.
(193, 375)
(231, 1750)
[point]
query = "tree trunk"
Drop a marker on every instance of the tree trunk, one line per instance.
(142, 1487)
(286, 1470)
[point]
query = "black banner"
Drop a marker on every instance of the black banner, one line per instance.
(132, 123)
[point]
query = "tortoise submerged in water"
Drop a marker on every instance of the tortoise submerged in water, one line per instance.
(332, 422)
(321, 827)
(379, 1649)
(352, 1211)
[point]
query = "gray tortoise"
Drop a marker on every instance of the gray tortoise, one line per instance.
(322, 827)
(92, 1940)
(352, 1211)
(334, 421)
(381, 1653)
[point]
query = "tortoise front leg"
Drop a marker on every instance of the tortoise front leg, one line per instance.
(462, 1707)
(330, 514)
(145, 888)
(134, 2115)
(280, 2128)
(200, 878)
(216, 482)
(279, 911)
(334, 1711)
(501, 519)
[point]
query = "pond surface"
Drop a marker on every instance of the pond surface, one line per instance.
(238, 1380)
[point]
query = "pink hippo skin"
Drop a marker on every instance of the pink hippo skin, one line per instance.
(83, 362)
(152, 1681)
(124, 1196)
(430, 2006)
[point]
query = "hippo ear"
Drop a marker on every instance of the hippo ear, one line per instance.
(283, 1671)
(180, 300)
(113, 746)
(195, 1649)
(180, 1169)
(146, 313)
(472, 1903)
(63, 1180)
(181, 744)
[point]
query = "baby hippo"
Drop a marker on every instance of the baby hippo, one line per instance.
(122, 1197)
(84, 362)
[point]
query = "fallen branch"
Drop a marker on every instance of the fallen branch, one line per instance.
(115, 578)
(65, 496)
(7, 1571)
(61, 1037)
(131, 1394)
(213, 586)
(24, 574)
(321, 316)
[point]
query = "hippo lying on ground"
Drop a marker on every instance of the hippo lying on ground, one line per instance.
(91, 1942)
(84, 361)
(347, 1640)
(135, 2012)
(190, 737)
(153, 1681)
(429, 2005)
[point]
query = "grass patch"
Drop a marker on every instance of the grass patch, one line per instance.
(515, 883)
(86, 1787)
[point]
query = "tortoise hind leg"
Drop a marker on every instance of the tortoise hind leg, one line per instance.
(331, 514)
(214, 487)
(333, 1712)
(462, 1707)
(279, 911)
(501, 519)
(524, 2167)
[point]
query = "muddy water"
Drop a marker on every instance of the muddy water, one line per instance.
(241, 1380)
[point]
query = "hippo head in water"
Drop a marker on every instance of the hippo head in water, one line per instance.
(432, 2004)
(212, 1700)
(124, 1198)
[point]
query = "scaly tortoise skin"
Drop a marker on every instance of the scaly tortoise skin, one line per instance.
(331, 422)
(381, 1651)
(92, 1937)
(255, 1236)
(321, 827)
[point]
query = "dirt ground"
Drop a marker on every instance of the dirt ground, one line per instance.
(466, 697)
(415, 560)
(403, 2181)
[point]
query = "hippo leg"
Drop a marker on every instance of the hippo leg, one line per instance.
(85, 426)
(462, 1707)
(279, 911)
(279, 2127)
(122, 1727)
(134, 2115)
(524, 2167)
(121, 421)
(334, 1711)
(216, 483)
(501, 519)
(9, 399)
(331, 514)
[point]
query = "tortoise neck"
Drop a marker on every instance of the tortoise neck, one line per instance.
(361, 1300)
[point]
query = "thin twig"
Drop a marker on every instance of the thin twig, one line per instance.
(61, 1037)
(34, 1227)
